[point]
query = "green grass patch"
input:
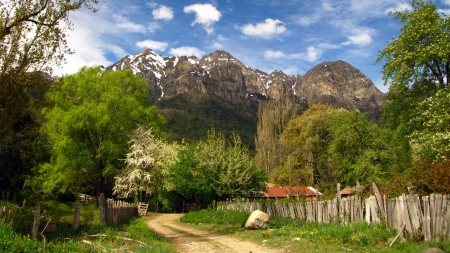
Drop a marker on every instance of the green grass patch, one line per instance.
(300, 236)
(219, 217)
(132, 235)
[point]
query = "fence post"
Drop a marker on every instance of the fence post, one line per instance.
(76, 218)
(102, 207)
(37, 215)
(338, 197)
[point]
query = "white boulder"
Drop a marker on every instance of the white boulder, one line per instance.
(257, 219)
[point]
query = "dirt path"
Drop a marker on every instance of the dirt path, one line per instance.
(189, 239)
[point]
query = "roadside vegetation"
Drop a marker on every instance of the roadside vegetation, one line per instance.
(299, 236)
(57, 235)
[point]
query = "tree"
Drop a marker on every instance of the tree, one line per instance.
(32, 40)
(431, 142)
(147, 164)
(417, 65)
(328, 146)
(422, 50)
(356, 151)
(91, 114)
(216, 168)
(306, 138)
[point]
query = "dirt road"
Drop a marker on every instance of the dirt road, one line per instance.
(189, 239)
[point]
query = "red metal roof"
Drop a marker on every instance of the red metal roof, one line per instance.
(283, 192)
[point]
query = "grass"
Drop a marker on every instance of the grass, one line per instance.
(16, 222)
(299, 236)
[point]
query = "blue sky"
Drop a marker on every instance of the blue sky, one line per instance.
(288, 35)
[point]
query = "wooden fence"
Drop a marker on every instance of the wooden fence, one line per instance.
(116, 210)
(429, 215)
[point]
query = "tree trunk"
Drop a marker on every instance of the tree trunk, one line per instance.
(37, 215)
(102, 208)
(76, 218)
(100, 179)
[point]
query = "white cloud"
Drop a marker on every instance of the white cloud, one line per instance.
(291, 71)
(125, 23)
(266, 29)
(400, 7)
(163, 12)
(155, 45)
(88, 45)
(269, 54)
(153, 26)
(361, 39)
(187, 51)
(328, 46)
(312, 54)
(205, 15)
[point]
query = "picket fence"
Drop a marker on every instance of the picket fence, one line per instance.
(116, 210)
(428, 216)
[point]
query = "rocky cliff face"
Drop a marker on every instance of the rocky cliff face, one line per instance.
(340, 84)
(183, 86)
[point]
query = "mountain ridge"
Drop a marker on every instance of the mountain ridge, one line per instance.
(187, 88)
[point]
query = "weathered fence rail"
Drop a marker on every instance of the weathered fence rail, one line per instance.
(117, 210)
(429, 215)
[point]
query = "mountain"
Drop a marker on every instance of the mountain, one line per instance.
(218, 90)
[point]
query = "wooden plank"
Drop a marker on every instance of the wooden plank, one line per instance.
(426, 223)
(411, 213)
(405, 215)
(319, 212)
(447, 218)
(382, 211)
(439, 214)
(368, 217)
(432, 215)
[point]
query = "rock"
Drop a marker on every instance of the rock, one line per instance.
(123, 233)
(257, 220)
(432, 250)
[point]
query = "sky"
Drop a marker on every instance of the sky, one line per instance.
(288, 35)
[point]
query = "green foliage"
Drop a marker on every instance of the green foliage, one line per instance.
(24, 149)
(214, 168)
(420, 52)
(416, 67)
(32, 40)
(328, 145)
(307, 138)
(147, 163)
(90, 115)
(432, 140)
(190, 116)
(357, 149)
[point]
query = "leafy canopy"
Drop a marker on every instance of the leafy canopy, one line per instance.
(216, 167)
(32, 40)
(92, 113)
(417, 68)
(327, 145)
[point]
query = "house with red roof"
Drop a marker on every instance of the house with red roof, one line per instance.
(277, 192)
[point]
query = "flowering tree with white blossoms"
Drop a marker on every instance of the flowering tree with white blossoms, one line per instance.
(431, 139)
(147, 162)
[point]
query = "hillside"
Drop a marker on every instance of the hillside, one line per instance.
(218, 90)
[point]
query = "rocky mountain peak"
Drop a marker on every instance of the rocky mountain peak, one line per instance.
(218, 58)
(340, 84)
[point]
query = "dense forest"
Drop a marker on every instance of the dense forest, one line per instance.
(93, 131)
